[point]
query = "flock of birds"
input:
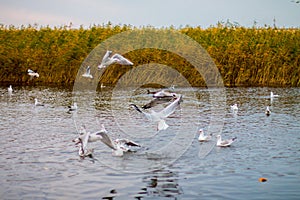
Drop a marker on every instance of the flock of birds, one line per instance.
(120, 146)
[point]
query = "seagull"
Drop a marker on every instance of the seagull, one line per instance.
(87, 73)
(73, 108)
(234, 107)
(83, 149)
(224, 143)
(36, 103)
(116, 58)
(202, 137)
(10, 90)
(163, 94)
(32, 73)
(85, 137)
(92, 137)
(118, 146)
(272, 95)
(268, 112)
(160, 117)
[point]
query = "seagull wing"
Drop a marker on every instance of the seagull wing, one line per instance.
(106, 140)
(30, 71)
(167, 111)
(121, 60)
(106, 57)
(147, 115)
(88, 70)
(128, 142)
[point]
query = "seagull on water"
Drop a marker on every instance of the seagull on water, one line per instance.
(272, 95)
(10, 90)
(162, 94)
(32, 74)
(73, 107)
(202, 137)
(36, 103)
(160, 117)
(234, 107)
(224, 143)
(116, 58)
(87, 73)
(268, 112)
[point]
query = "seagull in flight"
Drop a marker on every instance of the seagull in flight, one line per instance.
(160, 117)
(202, 137)
(118, 146)
(224, 143)
(87, 73)
(116, 58)
(84, 138)
(32, 73)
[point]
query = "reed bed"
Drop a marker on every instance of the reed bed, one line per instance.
(264, 56)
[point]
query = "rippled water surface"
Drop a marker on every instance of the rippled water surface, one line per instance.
(39, 160)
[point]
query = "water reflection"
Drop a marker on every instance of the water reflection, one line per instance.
(162, 183)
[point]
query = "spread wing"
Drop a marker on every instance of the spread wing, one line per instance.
(121, 60)
(128, 142)
(167, 111)
(106, 140)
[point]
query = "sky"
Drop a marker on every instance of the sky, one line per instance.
(156, 13)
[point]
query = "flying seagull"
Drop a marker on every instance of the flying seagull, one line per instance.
(116, 58)
(87, 73)
(160, 117)
(32, 73)
(118, 146)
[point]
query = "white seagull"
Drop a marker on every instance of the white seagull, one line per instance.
(163, 94)
(116, 58)
(73, 107)
(272, 95)
(87, 73)
(224, 143)
(32, 73)
(84, 138)
(36, 103)
(268, 112)
(10, 90)
(92, 137)
(202, 137)
(162, 115)
(234, 107)
(83, 146)
(118, 146)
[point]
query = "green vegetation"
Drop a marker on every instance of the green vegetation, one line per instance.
(244, 56)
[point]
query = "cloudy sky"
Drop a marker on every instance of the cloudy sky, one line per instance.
(157, 13)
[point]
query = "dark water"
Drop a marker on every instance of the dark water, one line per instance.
(39, 161)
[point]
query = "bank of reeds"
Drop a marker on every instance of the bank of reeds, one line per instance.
(244, 56)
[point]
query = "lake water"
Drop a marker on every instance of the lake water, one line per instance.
(39, 160)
